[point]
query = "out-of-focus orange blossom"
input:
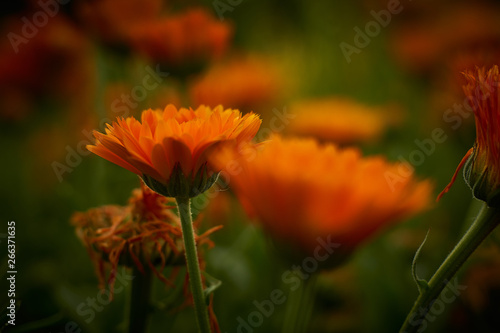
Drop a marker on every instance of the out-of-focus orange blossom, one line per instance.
(341, 120)
(301, 191)
(55, 64)
(244, 82)
(426, 40)
(191, 38)
(111, 20)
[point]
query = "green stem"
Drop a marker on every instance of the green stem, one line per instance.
(300, 306)
(486, 221)
(200, 307)
(292, 310)
(139, 307)
(308, 303)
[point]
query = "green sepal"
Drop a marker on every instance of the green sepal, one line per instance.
(180, 186)
(155, 185)
(480, 182)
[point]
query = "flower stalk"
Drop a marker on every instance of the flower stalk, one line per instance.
(192, 263)
(139, 307)
(300, 307)
(486, 221)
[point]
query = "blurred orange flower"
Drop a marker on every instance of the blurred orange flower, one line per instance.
(244, 83)
(218, 210)
(425, 39)
(482, 161)
(188, 39)
(301, 191)
(55, 64)
(111, 20)
(341, 120)
(169, 148)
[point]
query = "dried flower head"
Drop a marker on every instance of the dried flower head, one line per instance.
(145, 232)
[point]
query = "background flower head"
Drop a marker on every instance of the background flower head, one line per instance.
(342, 120)
(187, 39)
(111, 20)
(243, 82)
(300, 190)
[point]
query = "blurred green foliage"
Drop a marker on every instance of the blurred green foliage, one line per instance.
(55, 274)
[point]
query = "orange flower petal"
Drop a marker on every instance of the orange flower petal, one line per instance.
(108, 155)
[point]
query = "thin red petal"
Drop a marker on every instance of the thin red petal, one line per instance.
(447, 188)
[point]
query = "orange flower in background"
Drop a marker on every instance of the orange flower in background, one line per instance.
(245, 83)
(218, 210)
(55, 64)
(186, 39)
(482, 161)
(424, 39)
(111, 20)
(301, 191)
(415, 47)
(169, 148)
(341, 120)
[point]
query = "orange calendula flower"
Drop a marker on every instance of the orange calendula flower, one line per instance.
(56, 64)
(341, 120)
(245, 83)
(425, 43)
(187, 39)
(482, 161)
(169, 148)
(305, 194)
(111, 20)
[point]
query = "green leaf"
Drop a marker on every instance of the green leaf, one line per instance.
(212, 285)
(422, 284)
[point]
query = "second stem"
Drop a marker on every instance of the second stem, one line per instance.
(485, 223)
